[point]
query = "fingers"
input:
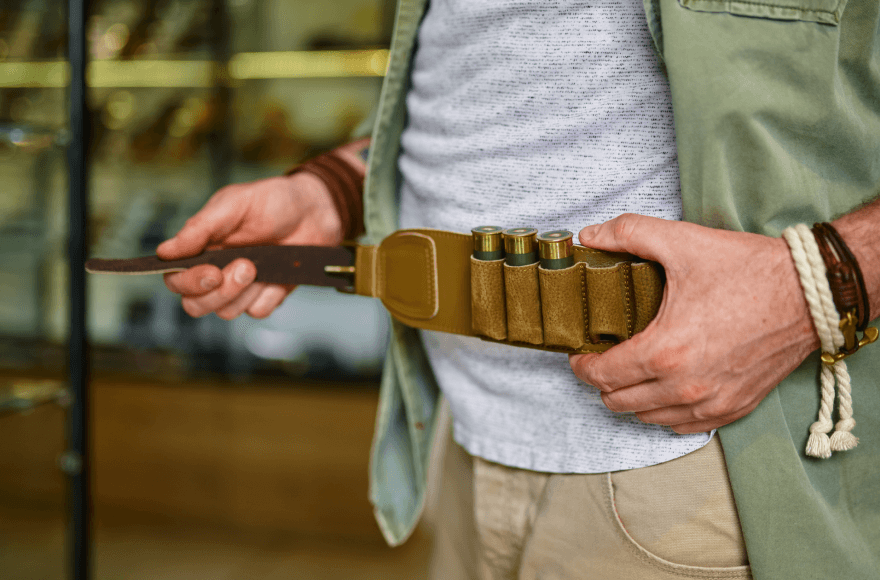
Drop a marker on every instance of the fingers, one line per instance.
(236, 277)
(643, 397)
(237, 306)
(268, 300)
(710, 414)
(616, 368)
(196, 281)
(189, 241)
(636, 234)
(259, 300)
(230, 292)
(703, 426)
(687, 409)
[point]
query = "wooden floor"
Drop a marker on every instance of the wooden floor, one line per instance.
(32, 547)
(200, 480)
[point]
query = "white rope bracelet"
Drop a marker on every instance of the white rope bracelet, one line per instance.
(811, 269)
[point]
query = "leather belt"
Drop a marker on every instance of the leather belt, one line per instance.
(428, 279)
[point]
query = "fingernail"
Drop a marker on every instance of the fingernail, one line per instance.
(209, 283)
(242, 276)
(587, 233)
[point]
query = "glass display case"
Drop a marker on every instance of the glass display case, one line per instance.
(185, 96)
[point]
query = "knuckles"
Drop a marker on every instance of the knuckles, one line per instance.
(585, 368)
(717, 408)
(612, 403)
(624, 225)
(692, 393)
(668, 361)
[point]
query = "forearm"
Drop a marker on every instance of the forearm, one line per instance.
(859, 230)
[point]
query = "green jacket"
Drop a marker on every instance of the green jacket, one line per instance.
(777, 114)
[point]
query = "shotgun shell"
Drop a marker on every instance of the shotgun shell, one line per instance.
(554, 250)
(520, 246)
(487, 243)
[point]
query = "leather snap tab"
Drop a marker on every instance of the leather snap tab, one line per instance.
(407, 275)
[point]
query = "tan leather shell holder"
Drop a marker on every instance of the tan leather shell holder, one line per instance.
(428, 279)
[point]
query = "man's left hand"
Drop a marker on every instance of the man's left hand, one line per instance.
(732, 324)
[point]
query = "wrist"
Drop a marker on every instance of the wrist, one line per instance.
(343, 178)
(796, 310)
(311, 194)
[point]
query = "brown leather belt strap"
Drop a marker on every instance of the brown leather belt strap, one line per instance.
(428, 279)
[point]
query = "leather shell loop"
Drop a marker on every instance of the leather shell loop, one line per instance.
(600, 301)
(488, 304)
(523, 293)
(563, 293)
(611, 303)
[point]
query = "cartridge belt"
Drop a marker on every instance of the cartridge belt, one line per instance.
(429, 279)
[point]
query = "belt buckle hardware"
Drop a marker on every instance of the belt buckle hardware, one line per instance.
(348, 272)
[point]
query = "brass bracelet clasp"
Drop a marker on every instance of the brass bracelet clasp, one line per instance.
(870, 336)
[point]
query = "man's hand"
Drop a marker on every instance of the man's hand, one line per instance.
(281, 210)
(732, 324)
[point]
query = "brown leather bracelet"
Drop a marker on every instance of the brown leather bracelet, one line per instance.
(346, 188)
(844, 276)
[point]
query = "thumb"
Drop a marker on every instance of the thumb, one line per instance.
(212, 223)
(635, 234)
(189, 241)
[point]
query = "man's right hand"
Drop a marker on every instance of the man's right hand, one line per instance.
(289, 210)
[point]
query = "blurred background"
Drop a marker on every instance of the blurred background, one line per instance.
(219, 449)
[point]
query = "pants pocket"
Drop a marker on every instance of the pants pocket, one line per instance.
(681, 512)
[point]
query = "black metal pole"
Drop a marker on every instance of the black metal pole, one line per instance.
(220, 141)
(76, 461)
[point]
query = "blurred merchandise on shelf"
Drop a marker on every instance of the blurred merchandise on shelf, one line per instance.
(186, 96)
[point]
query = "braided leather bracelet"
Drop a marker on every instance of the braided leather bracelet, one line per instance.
(846, 282)
(346, 188)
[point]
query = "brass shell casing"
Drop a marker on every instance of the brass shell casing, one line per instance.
(554, 249)
(521, 246)
(488, 243)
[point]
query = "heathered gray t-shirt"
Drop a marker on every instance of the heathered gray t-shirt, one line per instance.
(551, 114)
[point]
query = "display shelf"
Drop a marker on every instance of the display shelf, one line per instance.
(167, 72)
(24, 395)
(182, 102)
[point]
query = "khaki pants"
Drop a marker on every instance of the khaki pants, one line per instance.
(669, 521)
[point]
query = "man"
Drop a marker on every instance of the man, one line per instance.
(776, 123)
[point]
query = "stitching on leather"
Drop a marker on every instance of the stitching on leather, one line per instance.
(584, 302)
(522, 275)
(380, 276)
(627, 301)
(432, 275)
(433, 287)
(432, 280)
(374, 267)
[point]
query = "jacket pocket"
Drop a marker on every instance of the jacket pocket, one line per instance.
(822, 11)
